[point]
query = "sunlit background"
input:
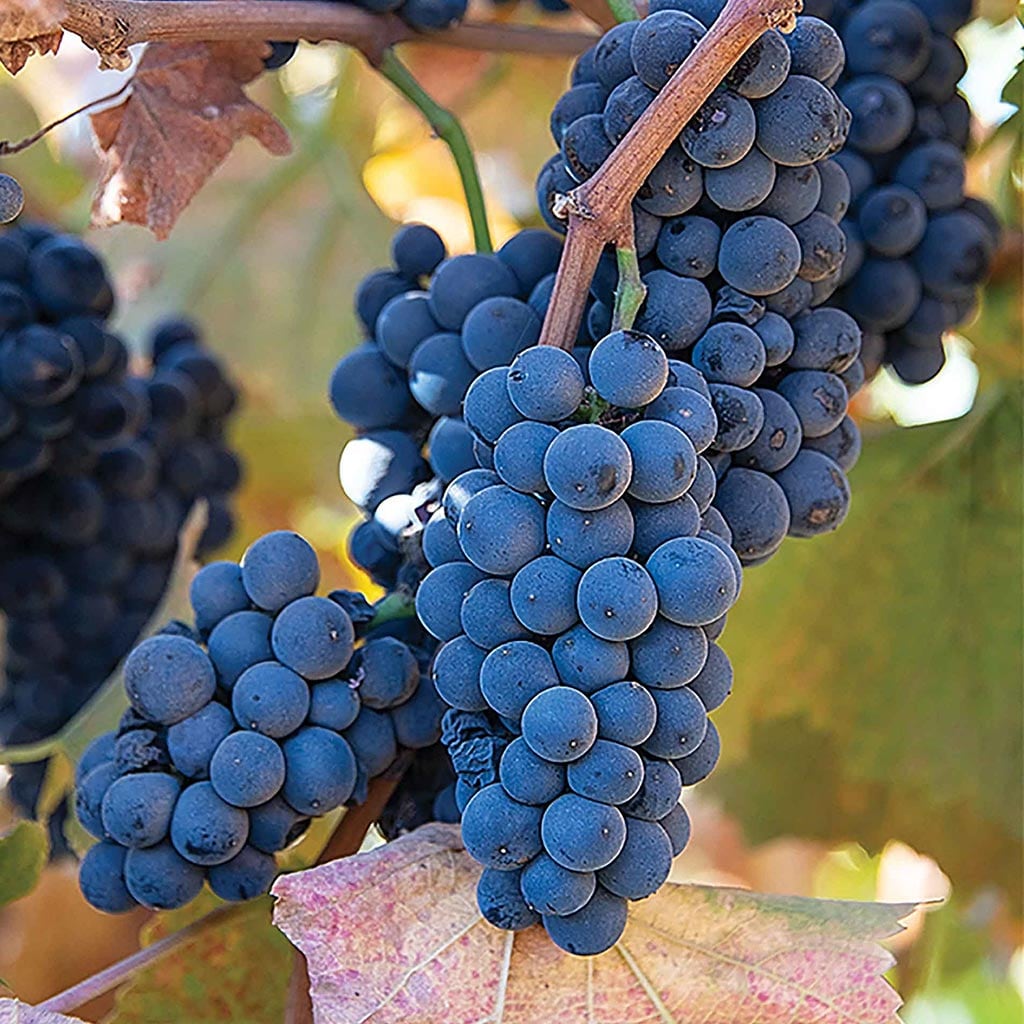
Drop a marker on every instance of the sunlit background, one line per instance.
(871, 748)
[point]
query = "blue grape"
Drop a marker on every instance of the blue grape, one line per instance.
(100, 750)
(819, 400)
(743, 185)
(681, 725)
(456, 674)
(205, 829)
(499, 832)
(136, 809)
(529, 778)
(247, 875)
(722, 131)
(168, 678)
(487, 409)
(334, 704)
(889, 37)
(89, 794)
(375, 291)
(270, 698)
(794, 195)
(582, 537)
(545, 384)
(644, 863)
(841, 445)
(730, 353)
(247, 769)
(543, 595)
(440, 596)
(440, 374)
(451, 448)
(883, 113)
(661, 43)
(759, 255)
(320, 770)
(581, 834)
(497, 330)
(612, 63)
(699, 764)
(487, 614)
(500, 530)
(667, 655)
(620, 110)
(664, 460)
(954, 255)
(628, 369)
(822, 247)
(817, 492)
(694, 580)
(550, 888)
(755, 508)
(501, 902)
(239, 642)
(387, 673)
(417, 721)
(519, 455)
(593, 929)
(824, 339)
(101, 879)
(440, 543)
(160, 878)
(702, 490)
(216, 592)
(531, 255)
(800, 123)
(587, 662)
(374, 744)
(740, 417)
(403, 323)
(677, 826)
(275, 825)
(559, 724)
(660, 792)
(763, 68)
(464, 487)
(608, 772)
(416, 250)
(673, 187)
(656, 524)
(585, 146)
(934, 174)
(278, 568)
(314, 637)
(688, 245)
(513, 674)
(676, 311)
(626, 713)
(368, 391)
(616, 599)
(688, 410)
(588, 467)
(461, 282)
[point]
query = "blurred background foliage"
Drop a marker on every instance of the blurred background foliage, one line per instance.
(872, 745)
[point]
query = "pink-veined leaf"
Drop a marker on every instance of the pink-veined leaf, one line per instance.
(394, 935)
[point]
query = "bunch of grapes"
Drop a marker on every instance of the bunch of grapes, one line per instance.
(917, 247)
(101, 467)
(737, 230)
(277, 708)
(432, 324)
(577, 590)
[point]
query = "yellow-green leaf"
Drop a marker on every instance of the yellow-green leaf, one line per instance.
(23, 854)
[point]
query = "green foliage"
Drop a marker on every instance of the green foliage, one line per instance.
(880, 666)
(23, 854)
(233, 971)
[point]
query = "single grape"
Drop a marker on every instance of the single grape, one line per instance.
(550, 888)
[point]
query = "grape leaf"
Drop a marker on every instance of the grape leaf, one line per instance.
(186, 111)
(394, 935)
(27, 27)
(13, 1011)
(23, 854)
(886, 656)
(234, 971)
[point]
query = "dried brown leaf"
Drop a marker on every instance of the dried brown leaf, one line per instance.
(394, 935)
(186, 111)
(27, 27)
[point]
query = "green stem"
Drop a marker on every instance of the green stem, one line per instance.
(450, 131)
(390, 608)
(29, 753)
(623, 10)
(630, 292)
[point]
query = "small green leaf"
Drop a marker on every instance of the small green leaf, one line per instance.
(23, 855)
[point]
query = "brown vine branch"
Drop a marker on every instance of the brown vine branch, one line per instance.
(111, 26)
(346, 840)
(596, 209)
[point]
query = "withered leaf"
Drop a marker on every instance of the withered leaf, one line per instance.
(394, 935)
(186, 110)
(27, 27)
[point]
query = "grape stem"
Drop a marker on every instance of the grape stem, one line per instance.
(448, 128)
(596, 209)
(346, 840)
(111, 26)
(630, 291)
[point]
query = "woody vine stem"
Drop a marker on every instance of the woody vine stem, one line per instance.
(597, 212)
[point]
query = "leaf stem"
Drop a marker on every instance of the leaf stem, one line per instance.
(630, 291)
(451, 132)
(597, 208)
(623, 10)
(394, 606)
(27, 753)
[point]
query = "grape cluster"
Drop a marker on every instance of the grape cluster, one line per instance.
(917, 247)
(738, 234)
(577, 590)
(99, 469)
(279, 707)
(433, 324)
